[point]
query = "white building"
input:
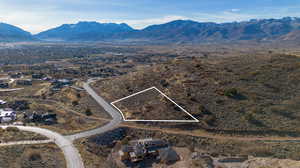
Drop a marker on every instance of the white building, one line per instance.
(7, 115)
(2, 102)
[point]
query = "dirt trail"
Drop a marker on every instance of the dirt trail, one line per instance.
(215, 136)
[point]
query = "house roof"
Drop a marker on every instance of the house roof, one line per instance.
(6, 112)
(2, 102)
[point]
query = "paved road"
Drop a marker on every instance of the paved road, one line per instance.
(116, 116)
(31, 142)
(71, 154)
(10, 90)
(76, 88)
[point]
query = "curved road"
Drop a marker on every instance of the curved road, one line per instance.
(116, 116)
(26, 142)
(10, 90)
(71, 154)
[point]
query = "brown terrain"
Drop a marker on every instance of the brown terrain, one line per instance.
(13, 134)
(232, 95)
(141, 106)
(244, 96)
(31, 156)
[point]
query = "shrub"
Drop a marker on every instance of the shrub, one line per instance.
(204, 111)
(34, 156)
(232, 92)
(164, 83)
(88, 112)
(125, 141)
(210, 119)
(12, 129)
(259, 151)
(75, 103)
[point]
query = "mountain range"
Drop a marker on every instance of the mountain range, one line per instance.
(287, 28)
(84, 31)
(13, 33)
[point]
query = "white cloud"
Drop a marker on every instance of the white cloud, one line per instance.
(235, 10)
(238, 15)
(221, 17)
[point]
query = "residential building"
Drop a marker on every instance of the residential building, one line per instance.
(24, 82)
(38, 76)
(140, 149)
(58, 84)
(4, 85)
(2, 102)
(7, 115)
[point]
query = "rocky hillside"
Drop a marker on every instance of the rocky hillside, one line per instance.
(236, 95)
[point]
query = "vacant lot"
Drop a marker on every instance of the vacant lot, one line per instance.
(145, 105)
(31, 156)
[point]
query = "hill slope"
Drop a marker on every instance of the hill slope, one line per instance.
(13, 33)
(246, 94)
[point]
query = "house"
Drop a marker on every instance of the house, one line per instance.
(60, 83)
(16, 75)
(2, 102)
(138, 150)
(64, 81)
(37, 76)
(25, 82)
(46, 118)
(4, 85)
(47, 79)
(7, 115)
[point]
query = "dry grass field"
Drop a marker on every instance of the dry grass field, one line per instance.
(31, 156)
(142, 106)
(244, 94)
(14, 134)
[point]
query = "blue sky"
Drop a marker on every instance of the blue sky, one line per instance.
(39, 15)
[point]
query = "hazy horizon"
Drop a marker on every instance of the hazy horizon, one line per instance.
(36, 16)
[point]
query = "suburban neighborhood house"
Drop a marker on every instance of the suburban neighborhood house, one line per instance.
(138, 150)
(2, 102)
(7, 115)
(3, 83)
